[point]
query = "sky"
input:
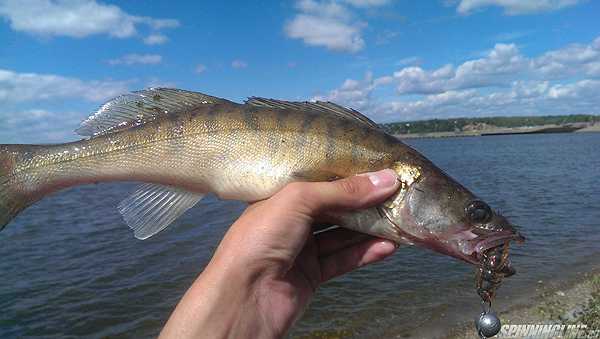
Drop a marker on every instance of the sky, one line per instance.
(393, 60)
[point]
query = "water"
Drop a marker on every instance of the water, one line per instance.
(71, 268)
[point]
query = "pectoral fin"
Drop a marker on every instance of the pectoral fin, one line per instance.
(151, 208)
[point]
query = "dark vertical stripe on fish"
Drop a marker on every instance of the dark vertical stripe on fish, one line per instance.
(282, 117)
(357, 152)
(305, 126)
(210, 122)
(331, 138)
(251, 119)
(270, 122)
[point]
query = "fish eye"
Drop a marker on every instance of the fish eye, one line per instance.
(479, 212)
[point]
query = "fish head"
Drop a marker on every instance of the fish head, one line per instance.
(433, 210)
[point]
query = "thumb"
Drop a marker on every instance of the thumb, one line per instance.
(356, 192)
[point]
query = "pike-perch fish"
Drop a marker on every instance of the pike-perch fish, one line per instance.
(182, 145)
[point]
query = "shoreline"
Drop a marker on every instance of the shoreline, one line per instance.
(503, 131)
(574, 301)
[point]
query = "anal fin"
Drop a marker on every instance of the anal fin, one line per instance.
(151, 208)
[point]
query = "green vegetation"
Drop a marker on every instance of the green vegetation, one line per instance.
(591, 313)
(457, 124)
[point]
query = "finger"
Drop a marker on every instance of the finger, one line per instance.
(337, 239)
(356, 256)
(359, 191)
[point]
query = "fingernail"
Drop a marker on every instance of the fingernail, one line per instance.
(382, 179)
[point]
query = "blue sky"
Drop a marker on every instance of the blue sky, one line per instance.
(392, 60)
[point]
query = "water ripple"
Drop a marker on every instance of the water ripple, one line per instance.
(71, 268)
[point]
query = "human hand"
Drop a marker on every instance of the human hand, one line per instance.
(269, 264)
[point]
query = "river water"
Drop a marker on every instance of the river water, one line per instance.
(70, 267)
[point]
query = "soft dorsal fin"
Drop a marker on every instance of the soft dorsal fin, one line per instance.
(319, 106)
(141, 106)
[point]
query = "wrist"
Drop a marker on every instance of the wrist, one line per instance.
(221, 303)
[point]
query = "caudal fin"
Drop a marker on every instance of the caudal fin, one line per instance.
(11, 202)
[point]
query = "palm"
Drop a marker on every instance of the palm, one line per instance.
(323, 257)
(287, 297)
(272, 263)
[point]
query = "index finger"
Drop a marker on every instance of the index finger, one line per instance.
(356, 256)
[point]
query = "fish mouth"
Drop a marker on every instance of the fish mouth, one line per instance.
(495, 240)
(472, 247)
(492, 253)
(465, 245)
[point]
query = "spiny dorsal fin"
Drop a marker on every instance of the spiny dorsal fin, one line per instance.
(151, 208)
(142, 106)
(319, 106)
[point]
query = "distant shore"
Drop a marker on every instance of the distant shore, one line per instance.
(570, 128)
(573, 302)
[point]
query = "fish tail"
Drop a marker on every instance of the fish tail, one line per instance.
(11, 201)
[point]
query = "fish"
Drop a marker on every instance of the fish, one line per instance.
(182, 145)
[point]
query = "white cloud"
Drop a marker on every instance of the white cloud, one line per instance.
(386, 37)
(504, 82)
(155, 82)
(327, 24)
(200, 68)
(21, 94)
(417, 80)
(157, 24)
(413, 60)
(21, 87)
(511, 36)
(515, 7)
(132, 59)
(502, 61)
(319, 31)
(239, 64)
(156, 39)
(575, 59)
(432, 105)
(368, 3)
(329, 9)
(522, 98)
(75, 18)
(580, 89)
(38, 126)
(500, 67)
(352, 93)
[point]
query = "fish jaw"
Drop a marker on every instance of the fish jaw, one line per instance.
(470, 247)
(431, 210)
(466, 245)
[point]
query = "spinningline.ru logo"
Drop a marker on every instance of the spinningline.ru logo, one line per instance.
(548, 331)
